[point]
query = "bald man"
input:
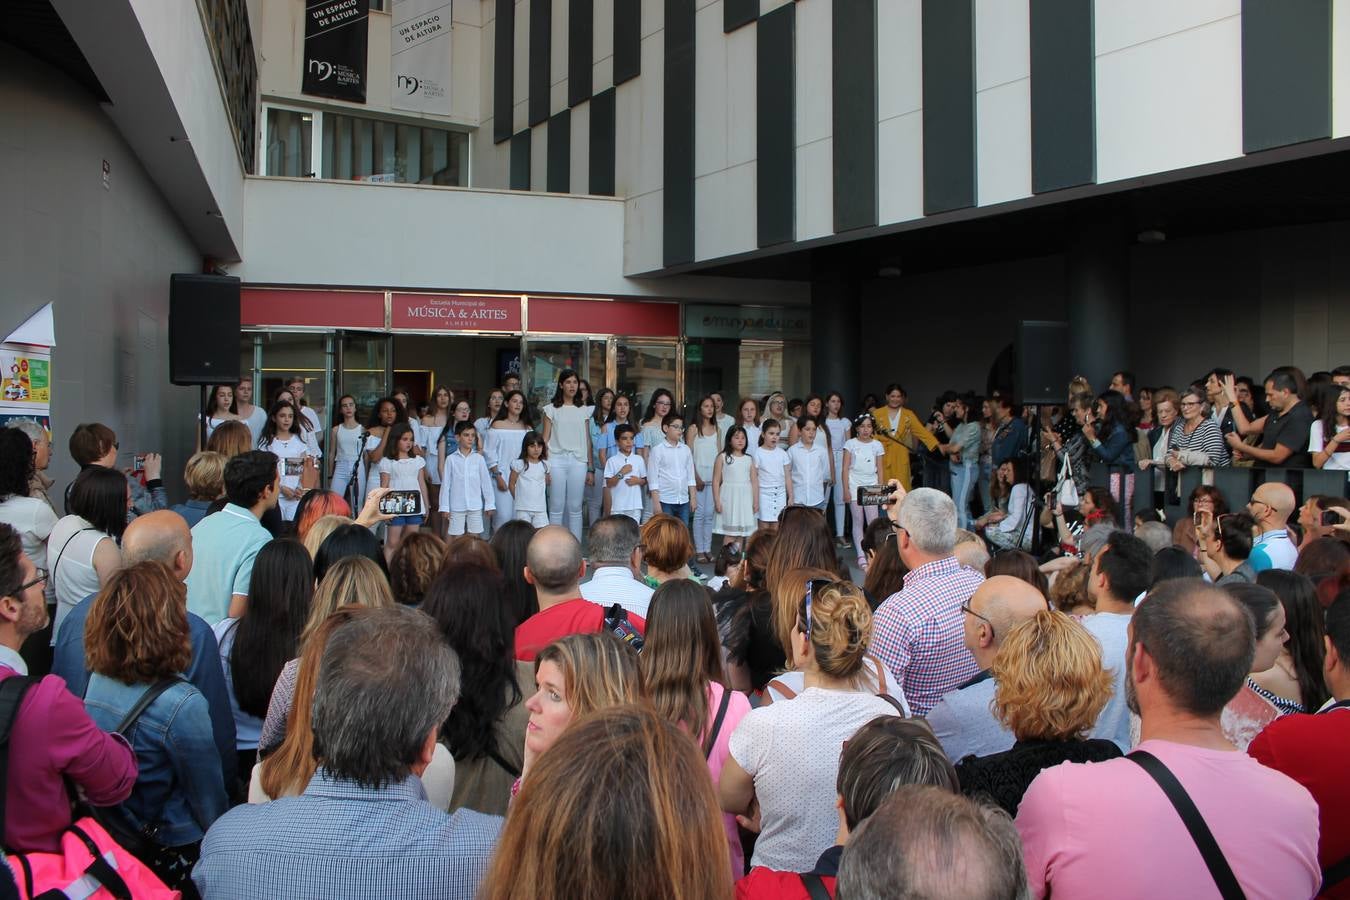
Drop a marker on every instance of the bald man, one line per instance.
(1271, 506)
(161, 536)
(962, 720)
(554, 565)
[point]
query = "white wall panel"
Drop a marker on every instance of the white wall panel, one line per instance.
(710, 91)
(767, 6)
(742, 102)
(1170, 103)
(558, 51)
(647, 168)
(724, 212)
(627, 137)
(581, 149)
(521, 91)
(1340, 68)
(603, 17)
(899, 58)
(815, 189)
(1003, 142)
(1125, 23)
(900, 168)
(653, 18)
(1002, 42)
(642, 248)
(814, 58)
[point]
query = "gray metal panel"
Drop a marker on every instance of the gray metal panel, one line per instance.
(855, 113)
(504, 71)
(948, 105)
(1286, 72)
(776, 126)
(602, 144)
(580, 50)
(736, 13)
(627, 40)
(678, 158)
(520, 161)
(1063, 95)
(558, 177)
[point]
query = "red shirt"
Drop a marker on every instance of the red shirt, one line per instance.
(1312, 749)
(579, 616)
(768, 884)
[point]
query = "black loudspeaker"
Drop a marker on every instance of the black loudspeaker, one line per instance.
(1042, 363)
(203, 329)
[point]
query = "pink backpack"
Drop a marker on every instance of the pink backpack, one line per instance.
(90, 864)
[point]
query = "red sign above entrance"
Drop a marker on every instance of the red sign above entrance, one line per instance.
(454, 312)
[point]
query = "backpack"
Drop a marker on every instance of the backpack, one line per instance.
(618, 624)
(90, 863)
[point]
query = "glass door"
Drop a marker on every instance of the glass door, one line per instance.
(643, 365)
(545, 358)
(363, 369)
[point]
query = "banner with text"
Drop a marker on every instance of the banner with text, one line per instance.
(419, 56)
(336, 36)
(455, 312)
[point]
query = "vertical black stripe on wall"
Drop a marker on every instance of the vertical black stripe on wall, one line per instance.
(776, 126)
(1063, 94)
(1286, 72)
(736, 13)
(948, 105)
(504, 71)
(541, 58)
(678, 159)
(558, 175)
(855, 113)
(520, 161)
(627, 40)
(602, 144)
(580, 50)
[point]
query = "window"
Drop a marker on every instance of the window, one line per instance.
(361, 149)
(288, 149)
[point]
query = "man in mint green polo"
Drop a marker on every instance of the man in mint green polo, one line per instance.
(225, 543)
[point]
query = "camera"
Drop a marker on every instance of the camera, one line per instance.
(138, 462)
(1330, 518)
(875, 496)
(401, 503)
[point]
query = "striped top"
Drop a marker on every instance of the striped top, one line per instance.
(1205, 439)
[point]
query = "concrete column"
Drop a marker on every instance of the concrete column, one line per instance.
(836, 336)
(1098, 281)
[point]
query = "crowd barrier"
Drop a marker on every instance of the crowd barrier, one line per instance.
(1235, 483)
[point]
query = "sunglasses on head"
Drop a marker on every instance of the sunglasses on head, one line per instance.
(812, 586)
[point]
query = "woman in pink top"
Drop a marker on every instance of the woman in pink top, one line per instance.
(682, 668)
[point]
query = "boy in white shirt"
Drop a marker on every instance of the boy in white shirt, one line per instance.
(466, 487)
(670, 472)
(625, 474)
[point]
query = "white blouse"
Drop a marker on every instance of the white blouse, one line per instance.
(569, 433)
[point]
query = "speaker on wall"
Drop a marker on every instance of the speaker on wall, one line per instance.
(1042, 363)
(203, 329)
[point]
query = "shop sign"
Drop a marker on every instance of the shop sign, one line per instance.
(454, 312)
(693, 353)
(753, 323)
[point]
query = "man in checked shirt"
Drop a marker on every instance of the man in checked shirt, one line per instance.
(918, 631)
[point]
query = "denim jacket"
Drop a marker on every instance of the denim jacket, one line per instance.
(179, 787)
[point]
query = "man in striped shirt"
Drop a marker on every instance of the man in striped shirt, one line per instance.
(918, 632)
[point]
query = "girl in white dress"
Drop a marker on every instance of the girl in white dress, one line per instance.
(747, 412)
(569, 451)
(402, 470)
(220, 407)
(292, 449)
(347, 439)
(838, 429)
(530, 479)
(774, 471)
(703, 443)
(494, 406)
(862, 468)
(502, 447)
(387, 414)
(255, 417)
(651, 435)
(735, 487)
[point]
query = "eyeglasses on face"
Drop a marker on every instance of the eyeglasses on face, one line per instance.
(41, 577)
(965, 608)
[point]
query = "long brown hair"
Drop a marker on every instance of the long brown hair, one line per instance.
(230, 439)
(682, 655)
(287, 771)
(787, 598)
(622, 806)
(138, 626)
(804, 540)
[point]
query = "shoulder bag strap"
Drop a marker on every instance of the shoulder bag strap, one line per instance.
(881, 674)
(815, 886)
(496, 756)
(62, 551)
(717, 722)
(893, 702)
(12, 691)
(1227, 882)
(150, 695)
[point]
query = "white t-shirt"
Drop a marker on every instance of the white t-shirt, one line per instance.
(531, 485)
(862, 470)
(402, 472)
(792, 750)
(770, 464)
(33, 519)
(1340, 460)
(838, 428)
(624, 496)
(794, 682)
(569, 432)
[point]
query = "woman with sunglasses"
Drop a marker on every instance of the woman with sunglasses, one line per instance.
(785, 757)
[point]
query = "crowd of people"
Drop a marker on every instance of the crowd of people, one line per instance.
(763, 651)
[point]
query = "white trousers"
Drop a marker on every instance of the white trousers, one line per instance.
(537, 519)
(566, 493)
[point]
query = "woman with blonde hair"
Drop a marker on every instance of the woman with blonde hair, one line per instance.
(574, 677)
(351, 581)
(682, 668)
(623, 808)
(667, 548)
(784, 757)
(230, 439)
(1050, 689)
(319, 531)
(204, 475)
(136, 645)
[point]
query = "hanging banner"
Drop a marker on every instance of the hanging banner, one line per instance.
(419, 56)
(336, 35)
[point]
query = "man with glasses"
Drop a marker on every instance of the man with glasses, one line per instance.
(52, 738)
(963, 721)
(1271, 506)
(616, 565)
